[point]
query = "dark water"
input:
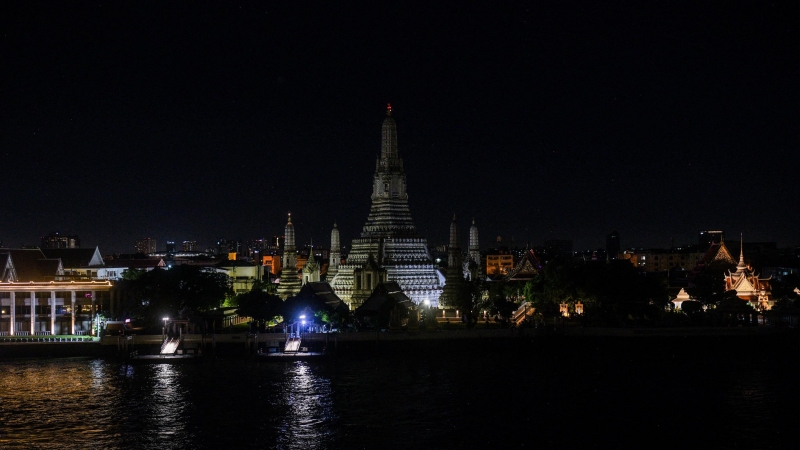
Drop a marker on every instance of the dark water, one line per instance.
(721, 392)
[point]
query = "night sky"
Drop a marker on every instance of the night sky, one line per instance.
(194, 121)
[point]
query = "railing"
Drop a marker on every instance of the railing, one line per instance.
(16, 339)
(80, 333)
(3, 333)
(41, 333)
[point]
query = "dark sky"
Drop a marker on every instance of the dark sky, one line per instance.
(193, 121)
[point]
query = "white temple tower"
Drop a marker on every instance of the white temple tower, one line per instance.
(389, 235)
(335, 256)
(474, 245)
(290, 282)
(455, 275)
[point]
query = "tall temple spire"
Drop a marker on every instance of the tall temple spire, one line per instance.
(474, 244)
(389, 215)
(389, 235)
(389, 136)
(290, 283)
(335, 256)
(455, 244)
(741, 267)
(454, 275)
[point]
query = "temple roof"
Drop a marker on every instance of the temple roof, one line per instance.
(311, 264)
(742, 284)
(32, 265)
(322, 291)
(7, 272)
(526, 269)
(719, 253)
(76, 257)
(383, 292)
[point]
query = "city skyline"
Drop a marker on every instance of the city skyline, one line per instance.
(547, 122)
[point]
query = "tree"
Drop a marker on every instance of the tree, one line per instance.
(160, 292)
(260, 306)
(469, 298)
(708, 286)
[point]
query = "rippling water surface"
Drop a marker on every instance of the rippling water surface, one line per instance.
(600, 392)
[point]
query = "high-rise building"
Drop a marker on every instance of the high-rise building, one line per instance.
(389, 246)
(612, 245)
(146, 246)
(57, 240)
(170, 246)
(190, 246)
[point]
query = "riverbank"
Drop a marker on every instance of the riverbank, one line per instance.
(243, 344)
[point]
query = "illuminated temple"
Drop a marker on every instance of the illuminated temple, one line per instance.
(389, 248)
(749, 286)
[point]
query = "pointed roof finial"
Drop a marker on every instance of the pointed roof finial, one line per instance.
(290, 217)
(334, 224)
(454, 217)
(741, 247)
(388, 109)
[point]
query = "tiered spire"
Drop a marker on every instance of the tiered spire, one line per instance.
(389, 215)
(474, 244)
(290, 283)
(454, 276)
(741, 267)
(454, 251)
(389, 136)
(389, 235)
(335, 256)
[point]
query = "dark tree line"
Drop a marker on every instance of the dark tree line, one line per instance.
(149, 296)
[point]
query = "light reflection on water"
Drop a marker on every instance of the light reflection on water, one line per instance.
(81, 403)
(591, 394)
(308, 407)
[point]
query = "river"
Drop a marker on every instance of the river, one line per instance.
(717, 392)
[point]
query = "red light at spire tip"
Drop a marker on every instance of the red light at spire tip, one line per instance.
(388, 109)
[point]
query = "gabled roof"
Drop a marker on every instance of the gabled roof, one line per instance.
(7, 272)
(311, 264)
(383, 292)
(31, 265)
(322, 291)
(527, 268)
(742, 284)
(719, 253)
(76, 257)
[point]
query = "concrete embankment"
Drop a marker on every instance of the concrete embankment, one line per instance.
(412, 340)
